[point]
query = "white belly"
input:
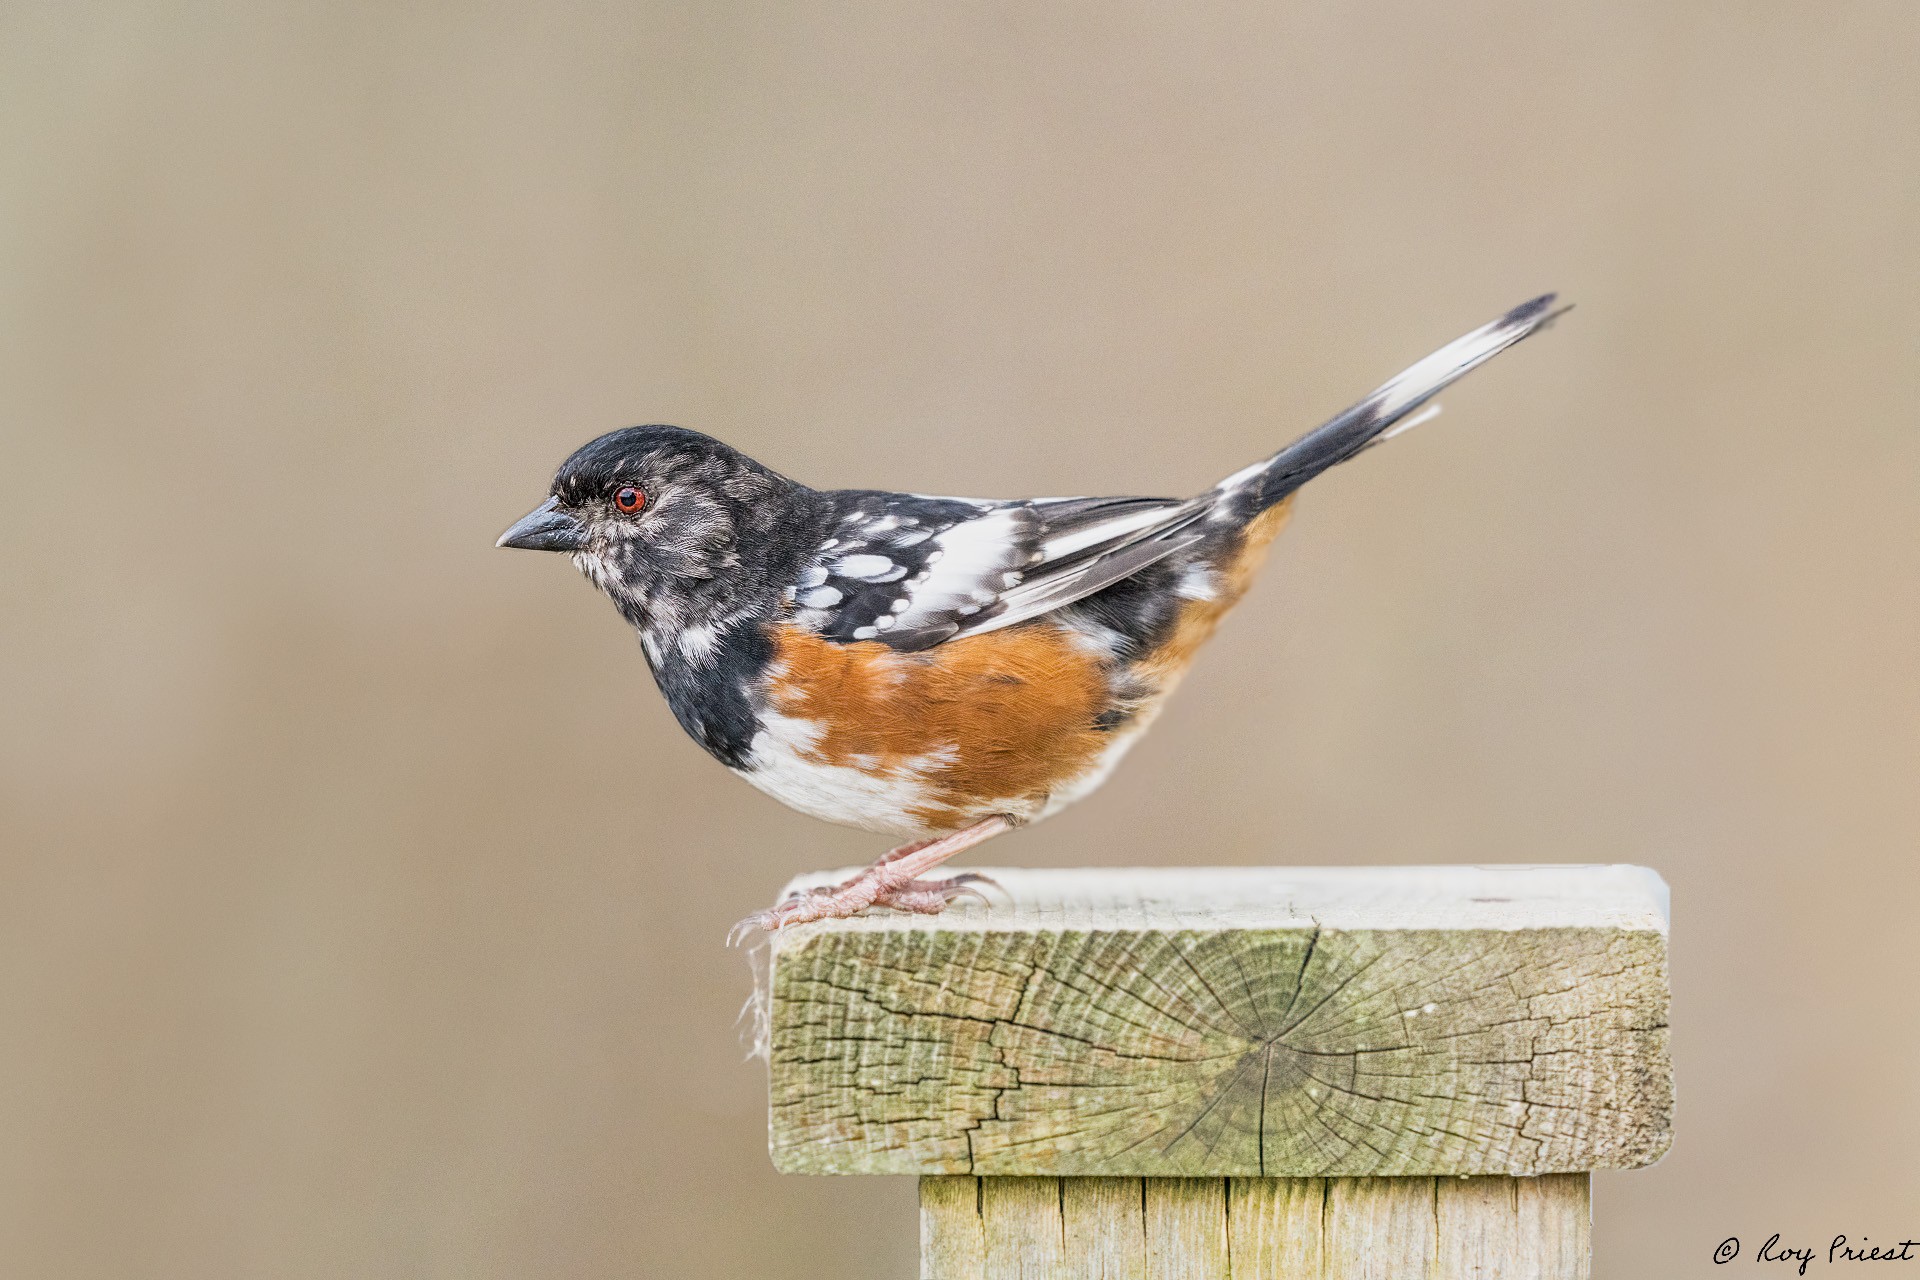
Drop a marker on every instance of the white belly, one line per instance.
(783, 763)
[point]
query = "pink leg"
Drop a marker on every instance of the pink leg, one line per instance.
(886, 859)
(893, 881)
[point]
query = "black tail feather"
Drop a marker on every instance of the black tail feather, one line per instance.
(1261, 486)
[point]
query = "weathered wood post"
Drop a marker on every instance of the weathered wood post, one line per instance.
(1395, 1072)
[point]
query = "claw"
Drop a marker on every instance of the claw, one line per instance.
(738, 935)
(768, 921)
(968, 879)
(931, 897)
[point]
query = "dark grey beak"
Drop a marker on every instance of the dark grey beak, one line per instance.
(545, 528)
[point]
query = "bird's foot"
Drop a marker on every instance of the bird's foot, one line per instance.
(931, 897)
(894, 881)
(874, 887)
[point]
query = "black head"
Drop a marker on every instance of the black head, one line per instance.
(677, 528)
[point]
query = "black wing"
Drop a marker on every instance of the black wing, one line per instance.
(913, 571)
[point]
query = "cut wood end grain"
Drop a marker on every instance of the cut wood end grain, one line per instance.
(1297, 1022)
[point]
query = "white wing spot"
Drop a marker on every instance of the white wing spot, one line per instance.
(822, 598)
(865, 568)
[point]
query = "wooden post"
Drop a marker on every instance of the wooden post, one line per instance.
(1333, 1073)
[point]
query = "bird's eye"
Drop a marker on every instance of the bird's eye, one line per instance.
(629, 499)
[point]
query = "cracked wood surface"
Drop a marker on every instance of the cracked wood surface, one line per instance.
(1297, 1022)
(1488, 1228)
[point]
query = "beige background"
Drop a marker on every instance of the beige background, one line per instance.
(362, 904)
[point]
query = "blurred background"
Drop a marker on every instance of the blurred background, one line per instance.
(362, 904)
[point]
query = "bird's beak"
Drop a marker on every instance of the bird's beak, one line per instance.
(545, 528)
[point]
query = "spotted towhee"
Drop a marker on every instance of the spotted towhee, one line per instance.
(939, 669)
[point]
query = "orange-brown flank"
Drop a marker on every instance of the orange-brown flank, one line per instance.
(1015, 709)
(1011, 714)
(1169, 662)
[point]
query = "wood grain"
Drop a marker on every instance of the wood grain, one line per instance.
(1025, 1235)
(953, 1230)
(1299, 1022)
(1491, 1228)
(1105, 1224)
(1276, 1226)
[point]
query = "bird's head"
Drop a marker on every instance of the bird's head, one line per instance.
(672, 525)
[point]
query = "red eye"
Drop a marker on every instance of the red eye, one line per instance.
(629, 499)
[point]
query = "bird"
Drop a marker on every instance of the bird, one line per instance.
(938, 670)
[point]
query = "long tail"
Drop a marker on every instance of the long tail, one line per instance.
(1373, 419)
